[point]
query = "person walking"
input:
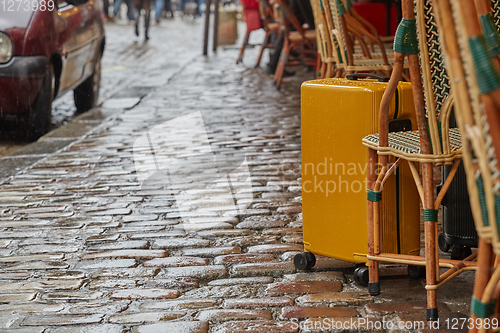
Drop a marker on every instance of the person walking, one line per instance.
(158, 10)
(140, 5)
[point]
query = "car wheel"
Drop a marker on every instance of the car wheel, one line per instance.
(40, 112)
(87, 92)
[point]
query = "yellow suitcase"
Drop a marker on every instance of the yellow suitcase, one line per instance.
(335, 115)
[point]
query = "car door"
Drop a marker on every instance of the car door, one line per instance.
(78, 37)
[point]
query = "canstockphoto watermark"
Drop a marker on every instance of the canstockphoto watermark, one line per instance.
(211, 183)
(364, 324)
(330, 177)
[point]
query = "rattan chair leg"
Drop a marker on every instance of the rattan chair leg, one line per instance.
(484, 259)
(262, 48)
(373, 249)
(285, 54)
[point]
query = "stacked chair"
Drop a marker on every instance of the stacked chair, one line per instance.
(433, 144)
(471, 47)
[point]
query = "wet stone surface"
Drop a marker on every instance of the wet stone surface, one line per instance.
(97, 237)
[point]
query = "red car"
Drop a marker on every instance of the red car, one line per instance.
(48, 47)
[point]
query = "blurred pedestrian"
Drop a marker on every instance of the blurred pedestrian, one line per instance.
(168, 9)
(158, 10)
(130, 9)
(140, 5)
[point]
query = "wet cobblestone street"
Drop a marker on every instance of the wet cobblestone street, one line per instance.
(85, 248)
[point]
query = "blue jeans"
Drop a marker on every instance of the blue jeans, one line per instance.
(130, 10)
(158, 8)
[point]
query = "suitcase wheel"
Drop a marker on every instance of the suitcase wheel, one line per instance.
(304, 261)
(459, 252)
(416, 272)
(361, 276)
(443, 245)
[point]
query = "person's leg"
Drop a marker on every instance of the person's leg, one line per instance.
(275, 56)
(158, 9)
(116, 7)
(130, 10)
(138, 6)
(147, 16)
(105, 9)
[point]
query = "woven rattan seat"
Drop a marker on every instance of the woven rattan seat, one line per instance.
(407, 145)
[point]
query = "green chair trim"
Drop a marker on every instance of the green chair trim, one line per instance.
(480, 309)
(321, 5)
(490, 34)
(348, 4)
(374, 196)
(430, 215)
(482, 201)
(340, 7)
(405, 39)
(487, 77)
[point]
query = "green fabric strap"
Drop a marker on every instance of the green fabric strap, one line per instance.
(373, 196)
(340, 7)
(348, 4)
(490, 34)
(405, 40)
(480, 309)
(321, 4)
(482, 201)
(440, 133)
(487, 77)
(430, 215)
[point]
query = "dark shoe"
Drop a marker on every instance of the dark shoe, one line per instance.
(137, 28)
(270, 70)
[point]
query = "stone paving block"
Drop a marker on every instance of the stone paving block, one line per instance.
(60, 320)
(176, 262)
(401, 307)
(177, 283)
(212, 251)
(133, 253)
(78, 295)
(257, 326)
(178, 327)
(181, 242)
(323, 263)
(242, 258)
(42, 284)
(101, 328)
(235, 281)
(353, 298)
(313, 312)
(5, 298)
(271, 268)
(111, 212)
(7, 321)
(64, 275)
(315, 276)
(223, 291)
(96, 306)
(302, 287)
(181, 304)
(203, 226)
(112, 263)
(145, 317)
(32, 307)
(126, 272)
(120, 245)
(48, 248)
(262, 222)
(258, 302)
(175, 233)
(232, 314)
(274, 248)
(25, 330)
(209, 272)
(293, 239)
(216, 233)
(144, 293)
(101, 283)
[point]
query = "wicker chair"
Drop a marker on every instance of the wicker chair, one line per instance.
(351, 36)
(299, 39)
(433, 144)
(470, 48)
(325, 48)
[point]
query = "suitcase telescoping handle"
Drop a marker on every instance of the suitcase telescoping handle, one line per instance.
(356, 76)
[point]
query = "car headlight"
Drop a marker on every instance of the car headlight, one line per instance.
(5, 48)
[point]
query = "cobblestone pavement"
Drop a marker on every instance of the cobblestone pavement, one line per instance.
(85, 248)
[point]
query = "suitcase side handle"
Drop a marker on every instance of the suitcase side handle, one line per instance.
(356, 76)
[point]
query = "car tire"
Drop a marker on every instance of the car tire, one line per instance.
(87, 92)
(40, 112)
